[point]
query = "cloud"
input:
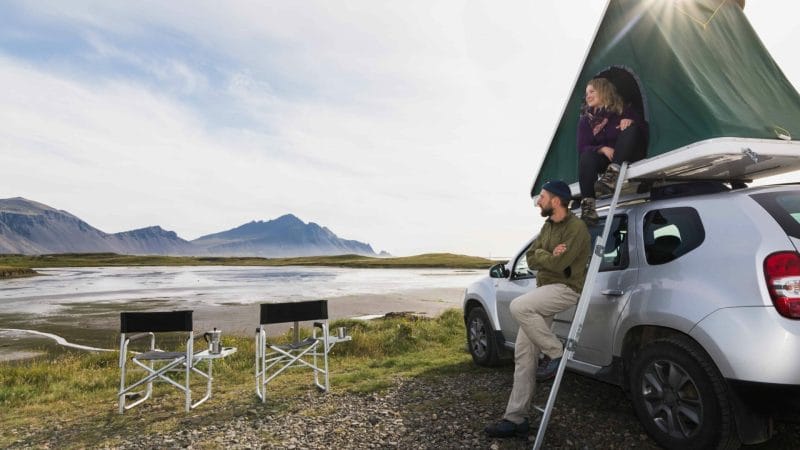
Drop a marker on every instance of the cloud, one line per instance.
(415, 126)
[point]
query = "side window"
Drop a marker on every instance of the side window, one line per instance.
(521, 269)
(615, 256)
(670, 233)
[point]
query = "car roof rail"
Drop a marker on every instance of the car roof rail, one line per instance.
(647, 191)
(688, 189)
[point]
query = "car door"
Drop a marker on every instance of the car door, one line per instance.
(611, 292)
(521, 280)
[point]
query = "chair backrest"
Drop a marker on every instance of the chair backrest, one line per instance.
(294, 311)
(156, 322)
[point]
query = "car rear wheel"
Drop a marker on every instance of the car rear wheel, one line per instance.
(680, 396)
(481, 338)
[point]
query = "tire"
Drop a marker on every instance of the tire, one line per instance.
(481, 338)
(680, 397)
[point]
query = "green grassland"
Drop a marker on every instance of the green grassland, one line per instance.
(429, 260)
(74, 392)
(15, 272)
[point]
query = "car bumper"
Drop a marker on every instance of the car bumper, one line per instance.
(752, 344)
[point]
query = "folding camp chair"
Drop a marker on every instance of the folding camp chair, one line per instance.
(272, 359)
(159, 364)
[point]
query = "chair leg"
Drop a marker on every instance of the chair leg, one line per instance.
(123, 366)
(123, 358)
(210, 378)
(260, 366)
(325, 349)
(208, 374)
(325, 356)
(315, 354)
(188, 372)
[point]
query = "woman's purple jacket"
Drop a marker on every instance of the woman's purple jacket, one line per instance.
(606, 133)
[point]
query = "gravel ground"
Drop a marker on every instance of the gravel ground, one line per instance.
(446, 411)
(440, 412)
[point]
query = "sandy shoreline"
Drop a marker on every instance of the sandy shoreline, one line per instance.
(241, 320)
(98, 325)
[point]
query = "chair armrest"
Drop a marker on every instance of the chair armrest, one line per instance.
(123, 350)
(319, 324)
(139, 336)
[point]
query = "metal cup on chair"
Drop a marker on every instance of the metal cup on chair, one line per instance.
(342, 332)
(213, 340)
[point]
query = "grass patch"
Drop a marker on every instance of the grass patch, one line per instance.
(73, 394)
(15, 272)
(429, 260)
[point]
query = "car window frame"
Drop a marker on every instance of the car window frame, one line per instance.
(698, 235)
(522, 254)
(769, 201)
(627, 255)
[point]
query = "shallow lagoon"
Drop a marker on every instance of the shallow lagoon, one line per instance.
(58, 289)
(82, 305)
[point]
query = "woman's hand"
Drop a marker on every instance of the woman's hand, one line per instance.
(608, 152)
(624, 123)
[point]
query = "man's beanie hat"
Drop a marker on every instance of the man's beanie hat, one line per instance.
(558, 188)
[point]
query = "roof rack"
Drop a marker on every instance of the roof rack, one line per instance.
(732, 161)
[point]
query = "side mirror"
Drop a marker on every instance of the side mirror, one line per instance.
(499, 271)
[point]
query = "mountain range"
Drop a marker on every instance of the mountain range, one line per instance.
(29, 227)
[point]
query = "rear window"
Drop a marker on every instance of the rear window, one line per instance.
(670, 233)
(784, 207)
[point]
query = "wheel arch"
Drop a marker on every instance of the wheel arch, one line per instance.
(637, 338)
(472, 302)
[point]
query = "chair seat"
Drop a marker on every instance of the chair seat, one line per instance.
(295, 345)
(157, 355)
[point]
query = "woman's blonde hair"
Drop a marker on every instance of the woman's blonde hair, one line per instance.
(609, 97)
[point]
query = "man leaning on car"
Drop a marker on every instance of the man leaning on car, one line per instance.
(560, 254)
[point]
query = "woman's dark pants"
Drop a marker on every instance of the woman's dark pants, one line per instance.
(631, 146)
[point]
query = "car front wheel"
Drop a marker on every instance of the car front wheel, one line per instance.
(481, 338)
(680, 396)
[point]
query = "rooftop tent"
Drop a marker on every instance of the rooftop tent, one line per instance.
(697, 70)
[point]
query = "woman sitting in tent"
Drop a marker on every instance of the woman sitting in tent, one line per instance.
(609, 133)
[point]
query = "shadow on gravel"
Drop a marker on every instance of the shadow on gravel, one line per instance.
(452, 410)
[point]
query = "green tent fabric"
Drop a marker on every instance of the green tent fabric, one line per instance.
(701, 70)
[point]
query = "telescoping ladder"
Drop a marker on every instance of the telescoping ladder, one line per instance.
(580, 311)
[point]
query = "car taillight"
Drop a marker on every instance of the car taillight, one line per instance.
(782, 271)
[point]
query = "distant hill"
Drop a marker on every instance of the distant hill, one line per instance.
(282, 237)
(29, 227)
(152, 241)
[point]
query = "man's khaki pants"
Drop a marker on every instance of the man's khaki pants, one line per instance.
(534, 313)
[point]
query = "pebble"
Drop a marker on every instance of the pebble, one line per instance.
(444, 412)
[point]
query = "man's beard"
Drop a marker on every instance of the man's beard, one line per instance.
(547, 211)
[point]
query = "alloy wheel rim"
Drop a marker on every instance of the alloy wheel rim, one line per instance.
(478, 340)
(672, 399)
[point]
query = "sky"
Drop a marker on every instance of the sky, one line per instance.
(415, 126)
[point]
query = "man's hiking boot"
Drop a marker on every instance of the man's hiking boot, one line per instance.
(506, 428)
(588, 213)
(547, 369)
(608, 182)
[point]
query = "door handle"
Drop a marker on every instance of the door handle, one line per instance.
(612, 292)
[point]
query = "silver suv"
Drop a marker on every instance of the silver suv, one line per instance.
(695, 312)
